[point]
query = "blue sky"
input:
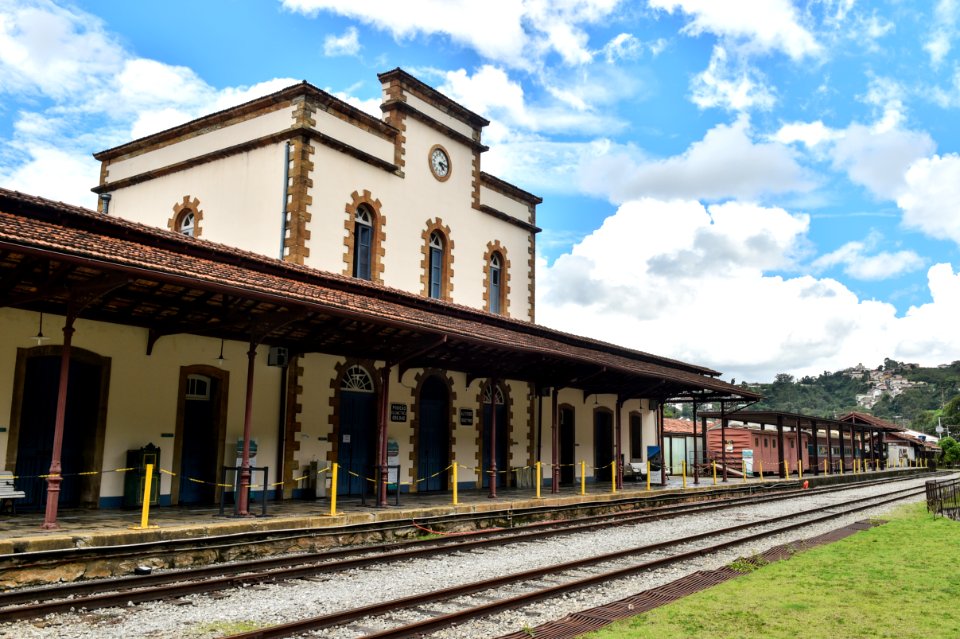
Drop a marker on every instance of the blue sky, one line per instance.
(759, 187)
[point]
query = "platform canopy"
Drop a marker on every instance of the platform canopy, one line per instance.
(796, 421)
(57, 258)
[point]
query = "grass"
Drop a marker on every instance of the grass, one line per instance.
(898, 580)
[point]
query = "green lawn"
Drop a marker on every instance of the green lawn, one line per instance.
(900, 580)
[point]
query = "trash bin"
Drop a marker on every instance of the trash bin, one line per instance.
(134, 480)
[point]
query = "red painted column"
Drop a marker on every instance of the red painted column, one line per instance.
(663, 453)
(243, 499)
(781, 454)
(555, 443)
(382, 437)
(617, 452)
(829, 449)
(816, 447)
(53, 475)
(492, 494)
(798, 435)
(723, 441)
(696, 457)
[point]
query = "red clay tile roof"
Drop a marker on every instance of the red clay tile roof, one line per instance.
(678, 426)
(37, 225)
(866, 418)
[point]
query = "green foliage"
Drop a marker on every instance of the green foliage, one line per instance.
(827, 395)
(949, 451)
(834, 394)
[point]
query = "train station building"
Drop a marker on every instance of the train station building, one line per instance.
(292, 283)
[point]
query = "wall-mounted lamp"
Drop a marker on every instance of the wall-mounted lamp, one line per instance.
(220, 358)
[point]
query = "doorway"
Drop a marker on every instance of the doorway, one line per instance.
(200, 432)
(602, 444)
(433, 442)
(34, 420)
(567, 446)
(357, 434)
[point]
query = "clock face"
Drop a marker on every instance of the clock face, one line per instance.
(439, 163)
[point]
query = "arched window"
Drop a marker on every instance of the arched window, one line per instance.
(435, 287)
(358, 380)
(363, 243)
(496, 272)
(187, 217)
(498, 397)
(186, 222)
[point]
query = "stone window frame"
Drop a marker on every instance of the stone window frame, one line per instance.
(446, 274)
(182, 209)
(379, 235)
(496, 247)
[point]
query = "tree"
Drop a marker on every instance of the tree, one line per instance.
(949, 451)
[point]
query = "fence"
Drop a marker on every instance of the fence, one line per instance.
(943, 498)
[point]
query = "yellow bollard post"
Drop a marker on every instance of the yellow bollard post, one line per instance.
(761, 472)
(456, 500)
(714, 473)
(333, 490)
(799, 469)
(743, 470)
(538, 480)
(842, 464)
(648, 474)
(825, 471)
(684, 472)
(583, 477)
(145, 512)
(613, 477)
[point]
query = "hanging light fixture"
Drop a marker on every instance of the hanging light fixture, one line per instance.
(220, 358)
(40, 338)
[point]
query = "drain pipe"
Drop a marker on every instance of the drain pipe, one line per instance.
(105, 203)
(283, 209)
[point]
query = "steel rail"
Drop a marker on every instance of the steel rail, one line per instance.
(326, 621)
(182, 582)
(50, 558)
(112, 592)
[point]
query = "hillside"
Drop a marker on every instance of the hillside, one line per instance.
(903, 393)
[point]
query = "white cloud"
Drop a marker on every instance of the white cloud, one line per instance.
(879, 266)
(939, 43)
(76, 173)
(878, 160)
(490, 91)
(97, 95)
(666, 277)
(727, 162)
(52, 50)
(347, 44)
(737, 89)
(812, 134)
(771, 25)
(875, 155)
(517, 33)
(931, 199)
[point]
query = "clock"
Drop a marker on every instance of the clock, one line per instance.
(439, 162)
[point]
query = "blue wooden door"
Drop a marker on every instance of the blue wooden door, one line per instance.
(358, 434)
(433, 444)
(602, 445)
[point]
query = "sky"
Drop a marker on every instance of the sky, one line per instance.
(759, 187)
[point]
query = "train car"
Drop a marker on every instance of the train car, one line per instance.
(762, 452)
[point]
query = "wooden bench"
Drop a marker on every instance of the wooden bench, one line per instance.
(8, 493)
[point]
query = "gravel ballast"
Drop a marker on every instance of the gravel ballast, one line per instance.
(227, 612)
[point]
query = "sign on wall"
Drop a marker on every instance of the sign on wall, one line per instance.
(466, 417)
(398, 412)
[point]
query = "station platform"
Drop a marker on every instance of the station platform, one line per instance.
(79, 528)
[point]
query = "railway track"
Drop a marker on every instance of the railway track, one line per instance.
(224, 545)
(30, 603)
(463, 597)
